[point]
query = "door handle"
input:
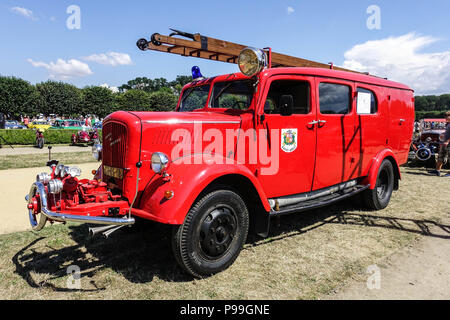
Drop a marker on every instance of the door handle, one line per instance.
(313, 123)
(322, 121)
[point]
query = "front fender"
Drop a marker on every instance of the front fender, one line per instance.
(189, 176)
(375, 166)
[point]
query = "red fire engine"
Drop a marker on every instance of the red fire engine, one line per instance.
(285, 135)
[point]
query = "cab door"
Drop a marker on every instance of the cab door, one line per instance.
(290, 138)
(337, 142)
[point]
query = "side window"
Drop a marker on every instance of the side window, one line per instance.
(373, 101)
(299, 90)
(334, 98)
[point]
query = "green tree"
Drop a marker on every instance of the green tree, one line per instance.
(163, 101)
(18, 96)
(60, 98)
(98, 101)
(133, 100)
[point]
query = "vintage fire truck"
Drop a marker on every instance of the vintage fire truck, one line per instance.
(285, 135)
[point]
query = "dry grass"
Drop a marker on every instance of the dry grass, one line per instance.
(38, 160)
(306, 256)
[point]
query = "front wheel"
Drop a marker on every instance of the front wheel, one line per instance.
(379, 197)
(212, 235)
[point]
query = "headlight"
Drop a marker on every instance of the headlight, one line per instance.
(160, 162)
(55, 186)
(251, 61)
(97, 151)
(43, 177)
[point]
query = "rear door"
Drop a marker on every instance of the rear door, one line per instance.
(291, 139)
(336, 134)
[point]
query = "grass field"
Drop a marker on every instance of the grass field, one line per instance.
(39, 160)
(306, 256)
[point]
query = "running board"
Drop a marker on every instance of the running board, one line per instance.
(320, 202)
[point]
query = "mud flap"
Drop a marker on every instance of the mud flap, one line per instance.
(261, 223)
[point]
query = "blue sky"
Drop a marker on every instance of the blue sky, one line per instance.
(412, 46)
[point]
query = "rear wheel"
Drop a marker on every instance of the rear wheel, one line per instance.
(379, 197)
(212, 235)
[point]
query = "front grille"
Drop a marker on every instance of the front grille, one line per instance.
(114, 144)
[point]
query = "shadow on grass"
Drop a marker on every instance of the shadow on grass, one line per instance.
(144, 252)
(293, 225)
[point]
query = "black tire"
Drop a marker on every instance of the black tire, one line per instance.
(379, 197)
(212, 235)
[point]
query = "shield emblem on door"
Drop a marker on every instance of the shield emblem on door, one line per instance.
(289, 139)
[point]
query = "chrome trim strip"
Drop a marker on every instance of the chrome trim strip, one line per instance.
(176, 121)
(74, 218)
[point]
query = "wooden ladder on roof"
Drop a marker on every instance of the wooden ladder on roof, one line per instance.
(198, 46)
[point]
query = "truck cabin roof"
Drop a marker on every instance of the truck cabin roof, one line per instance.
(320, 72)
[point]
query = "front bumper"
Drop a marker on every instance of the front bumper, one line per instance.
(38, 187)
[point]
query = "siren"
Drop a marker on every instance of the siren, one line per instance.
(196, 74)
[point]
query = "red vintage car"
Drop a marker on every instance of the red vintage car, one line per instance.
(85, 137)
(238, 150)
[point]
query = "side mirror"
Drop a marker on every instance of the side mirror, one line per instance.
(286, 105)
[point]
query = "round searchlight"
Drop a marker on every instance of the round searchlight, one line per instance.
(251, 61)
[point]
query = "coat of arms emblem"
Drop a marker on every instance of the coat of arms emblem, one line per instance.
(288, 140)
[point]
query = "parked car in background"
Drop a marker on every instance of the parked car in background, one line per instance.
(97, 125)
(426, 142)
(67, 124)
(13, 124)
(85, 137)
(39, 124)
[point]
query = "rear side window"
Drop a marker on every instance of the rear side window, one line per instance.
(334, 98)
(373, 101)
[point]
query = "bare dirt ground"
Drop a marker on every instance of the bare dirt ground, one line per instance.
(14, 185)
(419, 272)
(6, 150)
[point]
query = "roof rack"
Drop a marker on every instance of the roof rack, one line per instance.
(198, 46)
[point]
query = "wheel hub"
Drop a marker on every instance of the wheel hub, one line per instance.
(218, 229)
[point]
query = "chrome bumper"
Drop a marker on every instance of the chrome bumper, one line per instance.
(39, 188)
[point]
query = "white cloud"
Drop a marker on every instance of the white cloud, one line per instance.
(290, 10)
(113, 89)
(24, 12)
(110, 58)
(63, 70)
(399, 59)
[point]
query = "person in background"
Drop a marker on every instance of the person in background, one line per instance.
(444, 150)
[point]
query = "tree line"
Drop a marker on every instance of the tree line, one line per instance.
(19, 97)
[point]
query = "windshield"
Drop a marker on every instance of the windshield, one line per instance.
(194, 98)
(232, 95)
